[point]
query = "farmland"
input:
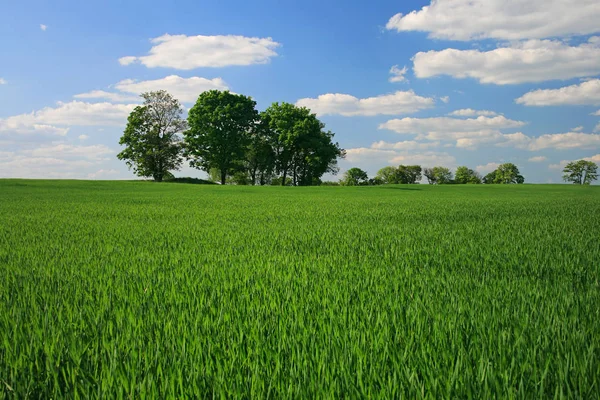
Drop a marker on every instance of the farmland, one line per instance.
(136, 289)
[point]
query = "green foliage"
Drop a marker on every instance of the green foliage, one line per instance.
(465, 175)
(388, 175)
(409, 174)
(152, 144)
(220, 125)
(506, 173)
(354, 177)
(580, 172)
(135, 290)
(438, 175)
(303, 150)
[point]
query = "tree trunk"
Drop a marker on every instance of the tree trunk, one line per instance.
(283, 178)
(223, 176)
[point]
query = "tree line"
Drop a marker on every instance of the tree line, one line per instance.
(226, 136)
(506, 173)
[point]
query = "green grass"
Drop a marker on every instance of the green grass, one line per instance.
(135, 289)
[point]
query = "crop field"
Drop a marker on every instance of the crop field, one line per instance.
(143, 290)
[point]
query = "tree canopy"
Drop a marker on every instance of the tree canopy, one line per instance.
(220, 125)
(506, 173)
(580, 172)
(465, 175)
(151, 137)
(354, 177)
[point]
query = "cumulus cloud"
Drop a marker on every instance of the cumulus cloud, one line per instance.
(2, 82)
(189, 52)
(528, 61)
(597, 128)
(43, 27)
(489, 167)
(563, 163)
(54, 161)
(466, 133)
(397, 74)
(400, 102)
(83, 137)
(469, 112)
(500, 19)
(112, 97)
(587, 92)
(404, 145)
(372, 159)
(537, 159)
(445, 99)
(557, 141)
(185, 90)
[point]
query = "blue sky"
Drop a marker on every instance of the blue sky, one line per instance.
(477, 83)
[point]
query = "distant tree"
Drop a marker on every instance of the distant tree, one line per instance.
(220, 125)
(388, 175)
(438, 175)
(465, 175)
(430, 175)
(354, 177)
(409, 174)
(490, 178)
(443, 175)
(151, 137)
(508, 173)
(580, 172)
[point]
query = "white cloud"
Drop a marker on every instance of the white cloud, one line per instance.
(557, 141)
(562, 164)
(127, 60)
(597, 128)
(537, 159)
(489, 167)
(445, 124)
(185, 90)
(405, 145)
(587, 92)
(3, 82)
(445, 99)
(83, 137)
(103, 173)
(389, 104)
(55, 121)
(466, 133)
(529, 61)
(577, 129)
(500, 19)
(54, 161)
(397, 74)
(190, 52)
(43, 27)
(469, 112)
(372, 159)
(112, 97)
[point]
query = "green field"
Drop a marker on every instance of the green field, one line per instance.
(136, 289)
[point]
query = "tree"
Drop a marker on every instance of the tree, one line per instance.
(580, 172)
(260, 155)
(430, 175)
(465, 175)
(354, 177)
(302, 148)
(220, 125)
(151, 137)
(439, 175)
(508, 173)
(388, 175)
(409, 174)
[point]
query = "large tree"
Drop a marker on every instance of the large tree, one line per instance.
(388, 175)
(303, 150)
(508, 173)
(466, 175)
(354, 177)
(580, 172)
(438, 175)
(220, 126)
(151, 137)
(409, 174)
